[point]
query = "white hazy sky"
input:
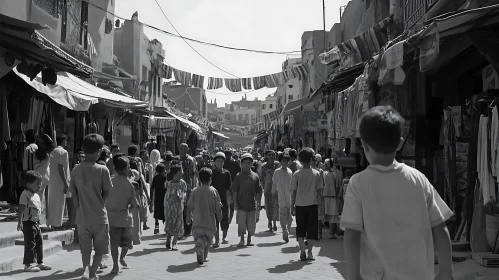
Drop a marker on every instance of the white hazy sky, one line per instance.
(274, 25)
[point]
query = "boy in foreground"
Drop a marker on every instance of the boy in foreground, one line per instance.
(29, 219)
(281, 183)
(306, 185)
(206, 208)
(247, 192)
(90, 185)
(119, 205)
(393, 217)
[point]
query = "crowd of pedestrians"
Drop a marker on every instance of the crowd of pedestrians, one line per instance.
(390, 215)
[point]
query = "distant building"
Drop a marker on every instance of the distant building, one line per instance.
(135, 51)
(241, 116)
(269, 104)
(251, 104)
(189, 100)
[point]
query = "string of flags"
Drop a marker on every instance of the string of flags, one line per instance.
(233, 84)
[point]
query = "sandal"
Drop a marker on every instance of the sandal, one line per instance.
(216, 245)
(31, 268)
(303, 256)
(241, 244)
(42, 266)
(115, 271)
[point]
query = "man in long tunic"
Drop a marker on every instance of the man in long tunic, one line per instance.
(266, 173)
(58, 184)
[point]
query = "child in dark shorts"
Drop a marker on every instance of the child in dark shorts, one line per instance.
(119, 204)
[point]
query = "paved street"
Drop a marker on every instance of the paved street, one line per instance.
(270, 258)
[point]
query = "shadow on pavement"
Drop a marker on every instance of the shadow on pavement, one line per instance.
(274, 244)
(264, 234)
(189, 251)
(183, 267)
(341, 268)
(59, 275)
(290, 250)
(231, 248)
(291, 266)
(151, 237)
(244, 255)
(146, 251)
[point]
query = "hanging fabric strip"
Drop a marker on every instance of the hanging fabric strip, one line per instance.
(215, 83)
(233, 85)
(259, 82)
(197, 81)
(300, 72)
(166, 71)
(246, 83)
(288, 75)
(182, 77)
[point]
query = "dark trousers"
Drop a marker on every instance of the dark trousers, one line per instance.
(187, 227)
(224, 222)
(33, 243)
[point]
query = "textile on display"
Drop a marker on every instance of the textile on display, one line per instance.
(233, 85)
(259, 82)
(274, 80)
(182, 77)
(166, 71)
(197, 81)
(215, 83)
(246, 82)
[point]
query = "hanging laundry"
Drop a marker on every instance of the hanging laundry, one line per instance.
(288, 75)
(259, 82)
(272, 80)
(300, 72)
(182, 77)
(246, 83)
(233, 85)
(166, 71)
(197, 81)
(215, 83)
(394, 56)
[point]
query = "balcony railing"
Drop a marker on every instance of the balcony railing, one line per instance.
(414, 10)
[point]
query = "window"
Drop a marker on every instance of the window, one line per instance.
(49, 6)
(64, 20)
(290, 97)
(263, 106)
(246, 117)
(84, 24)
(270, 106)
(240, 117)
(144, 73)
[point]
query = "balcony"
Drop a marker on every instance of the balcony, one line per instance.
(414, 10)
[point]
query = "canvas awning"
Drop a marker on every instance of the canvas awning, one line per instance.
(187, 123)
(60, 93)
(21, 39)
(463, 21)
(76, 94)
(220, 135)
(293, 105)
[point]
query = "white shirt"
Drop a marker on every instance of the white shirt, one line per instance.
(281, 183)
(395, 208)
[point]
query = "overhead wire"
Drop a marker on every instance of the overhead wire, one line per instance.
(195, 40)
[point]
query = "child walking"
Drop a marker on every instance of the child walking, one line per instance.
(393, 217)
(90, 186)
(247, 192)
(158, 193)
(221, 180)
(306, 186)
(28, 222)
(205, 208)
(174, 207)
(281, 182)
(333, 198)
(119, 205)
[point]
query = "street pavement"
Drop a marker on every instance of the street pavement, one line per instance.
(270, 258)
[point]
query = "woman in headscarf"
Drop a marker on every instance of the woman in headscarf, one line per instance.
(154, 159)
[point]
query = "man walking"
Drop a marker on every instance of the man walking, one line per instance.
(266, 173)
(59, 184)
(189, 168)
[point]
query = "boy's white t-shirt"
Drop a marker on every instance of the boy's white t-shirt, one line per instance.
(395, 208)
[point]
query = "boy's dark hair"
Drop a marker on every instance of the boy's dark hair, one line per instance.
(160, 168)
(205, 175)
(293, 153)
(118, 155)
(381, 129)
(270, 152)
(92, 143)
(115, 146)
(81, 153)
(31, 176)
(174, 169)
(282, 156)
(306, 155)
(168, 156)
(31, 136)
(143, 152)
(120, 163)
(104, 154)
(132, 150)
(348, 173)
(61, 138)
(134, 163)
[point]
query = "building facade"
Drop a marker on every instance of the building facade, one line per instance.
(137, 55)
(312, 45)
(241, 116)
(291, 90)
(189, 100)
(250, 104)
(269, 104)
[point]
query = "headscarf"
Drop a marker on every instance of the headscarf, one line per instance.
(155, 159)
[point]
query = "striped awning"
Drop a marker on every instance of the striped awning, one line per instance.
(360, 48)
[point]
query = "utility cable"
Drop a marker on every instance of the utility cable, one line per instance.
(191, 39)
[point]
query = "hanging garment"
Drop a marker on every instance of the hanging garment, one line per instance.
(197, 81)
(274, 80)
(215, 83)
(486, 180)
(450, 183)
(300, 72)
(4, 119)
(35, 114)
(166, 71)
(246, 83)
(56, 200)
(233, 85)
(259, 82)
(288, 75)
(494, 134)
(182, 77)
